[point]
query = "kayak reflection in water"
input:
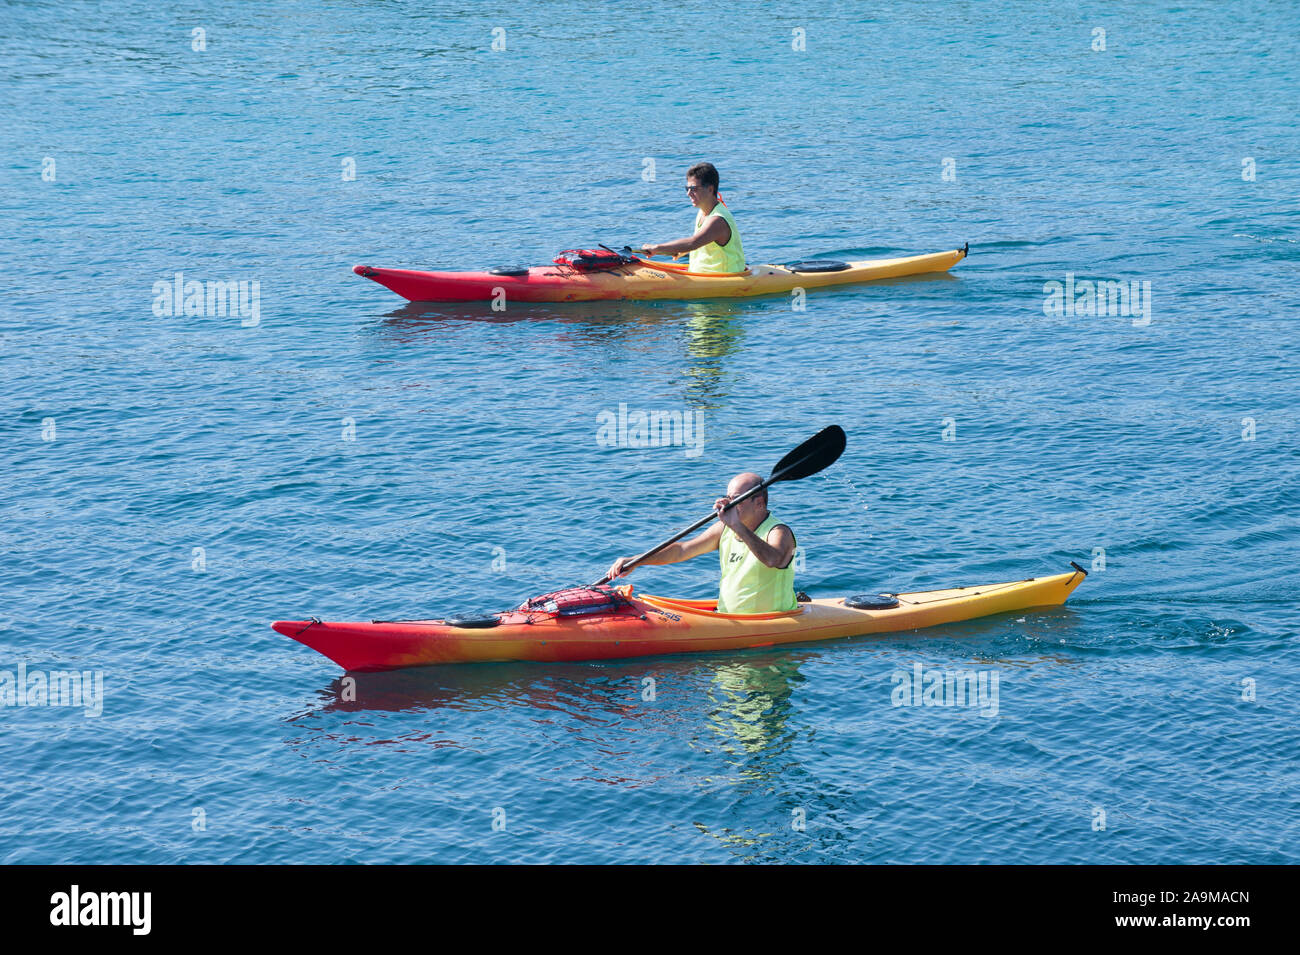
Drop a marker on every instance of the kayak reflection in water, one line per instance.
(756, 553)
(715, 246)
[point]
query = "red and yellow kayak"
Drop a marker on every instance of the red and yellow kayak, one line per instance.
(644, 279)
(603, 623)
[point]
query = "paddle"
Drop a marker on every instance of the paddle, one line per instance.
(816, 454)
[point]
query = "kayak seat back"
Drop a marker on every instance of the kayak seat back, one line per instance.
(710, 607)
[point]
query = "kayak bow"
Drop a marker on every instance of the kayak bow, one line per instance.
(643, 280)
(621, 625)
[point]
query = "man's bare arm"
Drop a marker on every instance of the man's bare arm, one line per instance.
(714, 229)
(676, 552)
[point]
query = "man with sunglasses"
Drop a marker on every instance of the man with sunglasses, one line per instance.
(715, 246)
(755, 550)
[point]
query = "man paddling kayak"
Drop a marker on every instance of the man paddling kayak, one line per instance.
(756, 553)
(715, 246)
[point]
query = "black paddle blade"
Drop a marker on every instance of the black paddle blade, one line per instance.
(816, 454)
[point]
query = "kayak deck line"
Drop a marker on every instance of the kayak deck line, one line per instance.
(646, 625)
(988, 589)
(976, 591)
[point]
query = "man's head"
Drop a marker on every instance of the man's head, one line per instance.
(702, 184)
(752, 510)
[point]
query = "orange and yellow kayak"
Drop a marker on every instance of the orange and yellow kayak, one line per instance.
(603, 623)
(645, 279)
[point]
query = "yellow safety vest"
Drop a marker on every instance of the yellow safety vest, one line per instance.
(748, 585)
(718, 258)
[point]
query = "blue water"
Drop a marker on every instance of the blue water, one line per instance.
(171, 484)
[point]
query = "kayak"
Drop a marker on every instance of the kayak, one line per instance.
(643, 279)
(606, 623)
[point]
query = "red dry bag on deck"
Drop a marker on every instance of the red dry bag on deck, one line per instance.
(592, 260)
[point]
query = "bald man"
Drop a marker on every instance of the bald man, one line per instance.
(755, 550)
